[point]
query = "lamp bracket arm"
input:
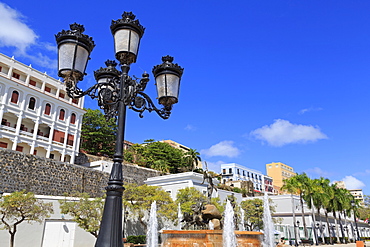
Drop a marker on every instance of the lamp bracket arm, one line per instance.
(142, 102)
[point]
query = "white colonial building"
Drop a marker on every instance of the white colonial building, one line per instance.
(236, 172)
(174, 182)
(36, 114)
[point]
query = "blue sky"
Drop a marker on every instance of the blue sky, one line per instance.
(264, 81)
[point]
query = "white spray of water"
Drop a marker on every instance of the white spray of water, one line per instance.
(152, 232)
(268, 225)
(229, 238)
(179, 216)
(211, 225)
(242, 227)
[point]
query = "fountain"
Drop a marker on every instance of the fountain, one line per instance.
(268, 226)
(206, 215)
(152, 232)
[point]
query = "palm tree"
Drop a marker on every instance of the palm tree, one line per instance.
(313, 190)
(298, 185)
(320, 199)
(328, 207)
(192, 157)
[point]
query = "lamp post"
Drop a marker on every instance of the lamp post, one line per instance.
(353, 204)
(115, 90)
(298, 233)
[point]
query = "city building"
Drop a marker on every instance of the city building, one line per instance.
(37, 116)
(172, 183)
(235, 172)
(278, 172)
(358, 195)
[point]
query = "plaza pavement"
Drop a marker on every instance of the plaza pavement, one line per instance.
(367, 243)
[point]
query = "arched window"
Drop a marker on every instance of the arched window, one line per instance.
(15, 96)
(73, 118)
(32, 103)
(61, 114)
(47, 109)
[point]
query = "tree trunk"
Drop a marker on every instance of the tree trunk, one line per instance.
(294, 222)
(336, 227)
(12, 236)
(320, 227)
(314, 223)
(328, 226)
(303, 218)
(342, 231)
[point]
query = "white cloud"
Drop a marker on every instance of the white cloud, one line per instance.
(282, 132)
(353, 183)
(224, 148)
(303, 111)
(14, 32)
(213, 166)
(316, 171)
(190, 127)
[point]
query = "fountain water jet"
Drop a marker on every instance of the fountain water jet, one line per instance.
(242, 227)
(229, 238)
(268, 225)
(152, 232)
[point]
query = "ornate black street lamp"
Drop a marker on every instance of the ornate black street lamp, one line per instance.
(115, 90)
(353, 204)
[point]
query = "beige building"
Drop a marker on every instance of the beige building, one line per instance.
(279, 171)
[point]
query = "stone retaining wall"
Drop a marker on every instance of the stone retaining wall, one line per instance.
(19, 171)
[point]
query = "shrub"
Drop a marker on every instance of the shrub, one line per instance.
(139, 239)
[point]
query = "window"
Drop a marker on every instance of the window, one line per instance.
(1, 68)
(73, 118)
(223, 171)
(32, 103)
(34, 152)
(19, 149)
(237, 171)
(75, 101)
(16, 76)
(51, 156)
(15, 96)
(61, 95)
(61, 114)
(3, 145)
(230, 170)
(243, 173)
(47, 89)
(33, 83)
(47, 109)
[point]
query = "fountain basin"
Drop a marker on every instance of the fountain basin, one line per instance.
(208, 238)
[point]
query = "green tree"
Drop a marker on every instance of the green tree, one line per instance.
(192, 158)
(189, 196)
(155, 155)
(20, 206)
(253, 214)
(86, 212)
(364, 212)
(98, 134)
(138, 200)
(298, 185)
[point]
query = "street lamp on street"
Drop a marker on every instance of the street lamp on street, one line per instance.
(115, 90)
